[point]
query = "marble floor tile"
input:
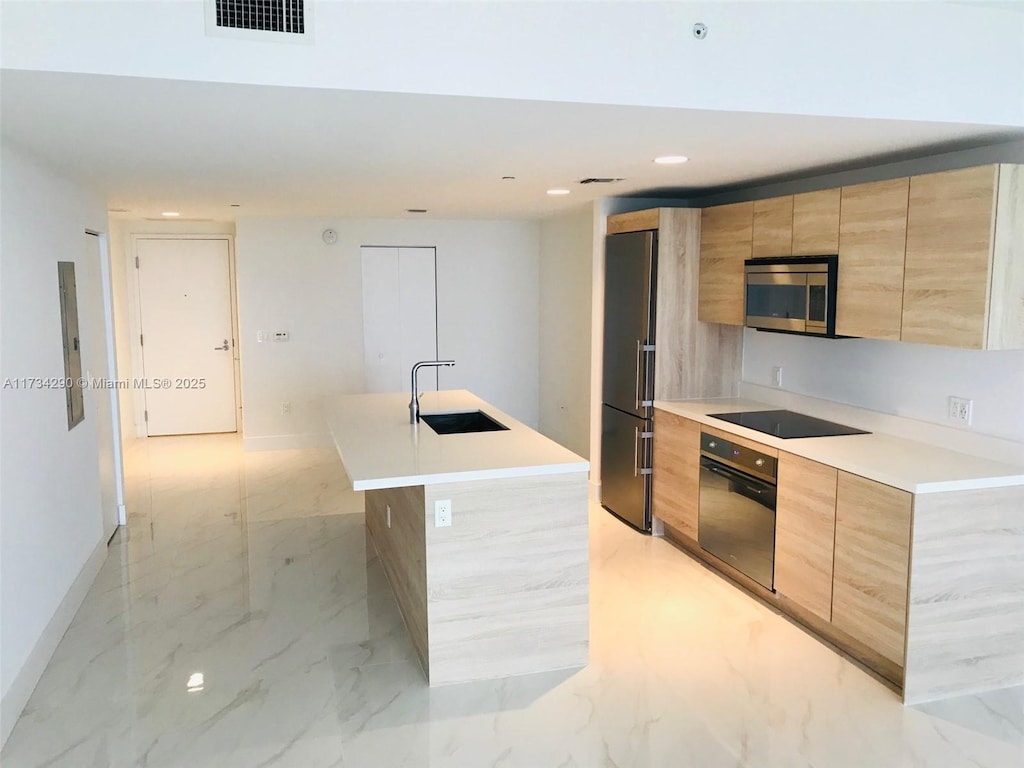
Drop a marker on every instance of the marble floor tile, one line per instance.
(254, 571)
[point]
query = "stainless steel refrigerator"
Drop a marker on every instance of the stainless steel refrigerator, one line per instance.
(628, 381)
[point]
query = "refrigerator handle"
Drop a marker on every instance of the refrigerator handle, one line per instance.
(636, 450)
(639, 362)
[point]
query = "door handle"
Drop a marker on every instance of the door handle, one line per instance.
(639, 355)
(224, 347)
(638, 438)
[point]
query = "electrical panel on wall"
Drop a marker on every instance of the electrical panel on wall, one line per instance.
(72, 343)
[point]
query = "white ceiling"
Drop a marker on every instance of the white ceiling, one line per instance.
(154, 145)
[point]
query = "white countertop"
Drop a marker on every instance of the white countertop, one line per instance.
(905, 464)
(381, 449)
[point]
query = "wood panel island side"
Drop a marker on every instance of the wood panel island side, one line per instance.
(503, 590)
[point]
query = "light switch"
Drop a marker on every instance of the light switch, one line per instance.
(262, 336)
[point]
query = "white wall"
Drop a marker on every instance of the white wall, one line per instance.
(776, 57)
(288, 279)
(912, 380)
(51, 540)
(566, 265)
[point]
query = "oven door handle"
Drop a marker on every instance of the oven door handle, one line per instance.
(731, 475)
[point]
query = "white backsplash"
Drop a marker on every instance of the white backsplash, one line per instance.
(906, 385)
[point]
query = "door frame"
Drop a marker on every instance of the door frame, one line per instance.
(135, 321)
(110, 342)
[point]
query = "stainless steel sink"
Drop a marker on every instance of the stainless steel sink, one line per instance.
(461, 422)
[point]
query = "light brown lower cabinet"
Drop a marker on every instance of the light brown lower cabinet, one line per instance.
(872, 558)
(675, 490)
(805, 526)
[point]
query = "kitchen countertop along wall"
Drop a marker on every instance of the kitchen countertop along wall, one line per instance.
(912, 466)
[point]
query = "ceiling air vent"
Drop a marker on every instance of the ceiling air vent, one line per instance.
(287, 16)
(599, 180)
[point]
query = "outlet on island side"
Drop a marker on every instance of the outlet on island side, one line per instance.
(286, 408)
(442, 513)
(777, 376)
(960, 409)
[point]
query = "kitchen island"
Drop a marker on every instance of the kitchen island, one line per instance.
(504, 588)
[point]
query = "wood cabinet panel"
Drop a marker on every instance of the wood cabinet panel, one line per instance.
(872, 246)
(402, 550)
(773, 227)
(805, 525)
(726, 236)
(949, 248)
(1006, 304)
(872, 556)
(675, 484)
(635, 221)
(816, 222)
(718, 347)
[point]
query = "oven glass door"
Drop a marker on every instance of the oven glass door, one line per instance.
(736, 520)
(777, 301)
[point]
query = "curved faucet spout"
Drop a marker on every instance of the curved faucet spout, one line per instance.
(414, 401)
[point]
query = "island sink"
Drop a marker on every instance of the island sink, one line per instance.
(461, 422)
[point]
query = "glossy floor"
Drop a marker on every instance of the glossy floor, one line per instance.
(243, 621)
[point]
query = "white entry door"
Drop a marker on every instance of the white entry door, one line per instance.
(187, 338)
(399, 317)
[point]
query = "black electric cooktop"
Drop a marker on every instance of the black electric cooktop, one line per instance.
(787, 424)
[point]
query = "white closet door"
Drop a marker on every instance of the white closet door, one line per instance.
(399, 316)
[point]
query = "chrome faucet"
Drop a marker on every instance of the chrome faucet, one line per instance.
(414, 402)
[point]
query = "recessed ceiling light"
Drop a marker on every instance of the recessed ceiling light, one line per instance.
(670, 160)
(170, 214)
(558, 191)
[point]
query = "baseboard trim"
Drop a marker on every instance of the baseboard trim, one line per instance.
(287, 442)
(25, 681)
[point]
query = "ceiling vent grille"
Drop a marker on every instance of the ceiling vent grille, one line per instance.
(599, 180)
(287, 16)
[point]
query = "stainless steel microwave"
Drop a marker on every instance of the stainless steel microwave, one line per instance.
(792, 294)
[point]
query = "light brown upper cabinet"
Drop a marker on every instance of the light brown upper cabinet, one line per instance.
(634, 221)
(805, 527)
(964, 284)
(872, 561)
(872, 244)
(816, 222)
(773, 227)
(676, 480)
(726, 240)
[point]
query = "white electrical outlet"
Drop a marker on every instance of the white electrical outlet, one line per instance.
(389, 515)
(777, 376)
(286, 407)
(960, 409)
(442, 513)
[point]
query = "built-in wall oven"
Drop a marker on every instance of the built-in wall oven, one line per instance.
(794, 294)
(737, 507)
